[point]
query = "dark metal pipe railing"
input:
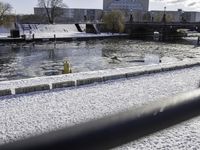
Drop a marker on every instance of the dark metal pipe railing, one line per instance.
(117, 129)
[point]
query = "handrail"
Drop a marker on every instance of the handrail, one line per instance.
(118, 129)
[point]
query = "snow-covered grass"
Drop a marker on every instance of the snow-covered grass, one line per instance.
(31, 114)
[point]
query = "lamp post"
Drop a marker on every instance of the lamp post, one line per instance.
(183, 17)
(15, 16)
(131, 16)
(152, 16)
(164, 15)
(164, 32)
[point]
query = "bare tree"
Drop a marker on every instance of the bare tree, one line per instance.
(5, 10)
(53, 8)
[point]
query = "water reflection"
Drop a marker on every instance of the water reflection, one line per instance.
(43, 59)
(52, 54)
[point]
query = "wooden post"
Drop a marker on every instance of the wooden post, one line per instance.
(198, 41)
(54, 38)
(67, 68)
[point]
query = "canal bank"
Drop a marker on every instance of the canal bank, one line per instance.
(76, 80)
(81, 37)
(24, 33)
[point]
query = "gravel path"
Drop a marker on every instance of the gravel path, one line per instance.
(26, 115)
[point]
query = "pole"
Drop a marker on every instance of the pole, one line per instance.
(54, 38)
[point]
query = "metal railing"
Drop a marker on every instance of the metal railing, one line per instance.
(118, 129)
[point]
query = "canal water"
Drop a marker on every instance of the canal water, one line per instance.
(19, 61)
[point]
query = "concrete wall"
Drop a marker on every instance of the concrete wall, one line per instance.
(88, 81)
(5, 92)
(197, 17)
(29, 89)
(63, 84)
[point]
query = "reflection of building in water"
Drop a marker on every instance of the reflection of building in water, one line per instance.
(130, 5)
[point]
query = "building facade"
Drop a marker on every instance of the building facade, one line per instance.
(175, 16)
(70, 15)
(134, 10)
(126, 5)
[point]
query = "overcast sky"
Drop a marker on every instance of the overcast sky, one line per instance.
(26, 6)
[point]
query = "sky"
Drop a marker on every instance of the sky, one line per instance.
(26, 6)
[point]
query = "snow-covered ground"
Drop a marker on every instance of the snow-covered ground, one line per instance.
(31, 114)
(4, 31)
(59, 30)
(49, 31)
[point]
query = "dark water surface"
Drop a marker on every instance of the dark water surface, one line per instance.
(19, 61)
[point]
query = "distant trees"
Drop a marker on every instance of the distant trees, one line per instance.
(159, 17)
(5, 10)
(53, 8)
(114, 21)
(146, 17)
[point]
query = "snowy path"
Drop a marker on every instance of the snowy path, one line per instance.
(27, 115)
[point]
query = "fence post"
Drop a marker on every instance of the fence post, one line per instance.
(54, 38)
(198, 41)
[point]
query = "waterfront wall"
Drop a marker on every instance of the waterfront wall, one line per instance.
(123, 73)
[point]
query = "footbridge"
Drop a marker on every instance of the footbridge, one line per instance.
(166, 29)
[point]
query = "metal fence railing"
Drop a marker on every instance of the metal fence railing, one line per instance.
(118, 129)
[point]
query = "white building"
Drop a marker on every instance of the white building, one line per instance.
(73, 15)
(127, 5)
(176, 16)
